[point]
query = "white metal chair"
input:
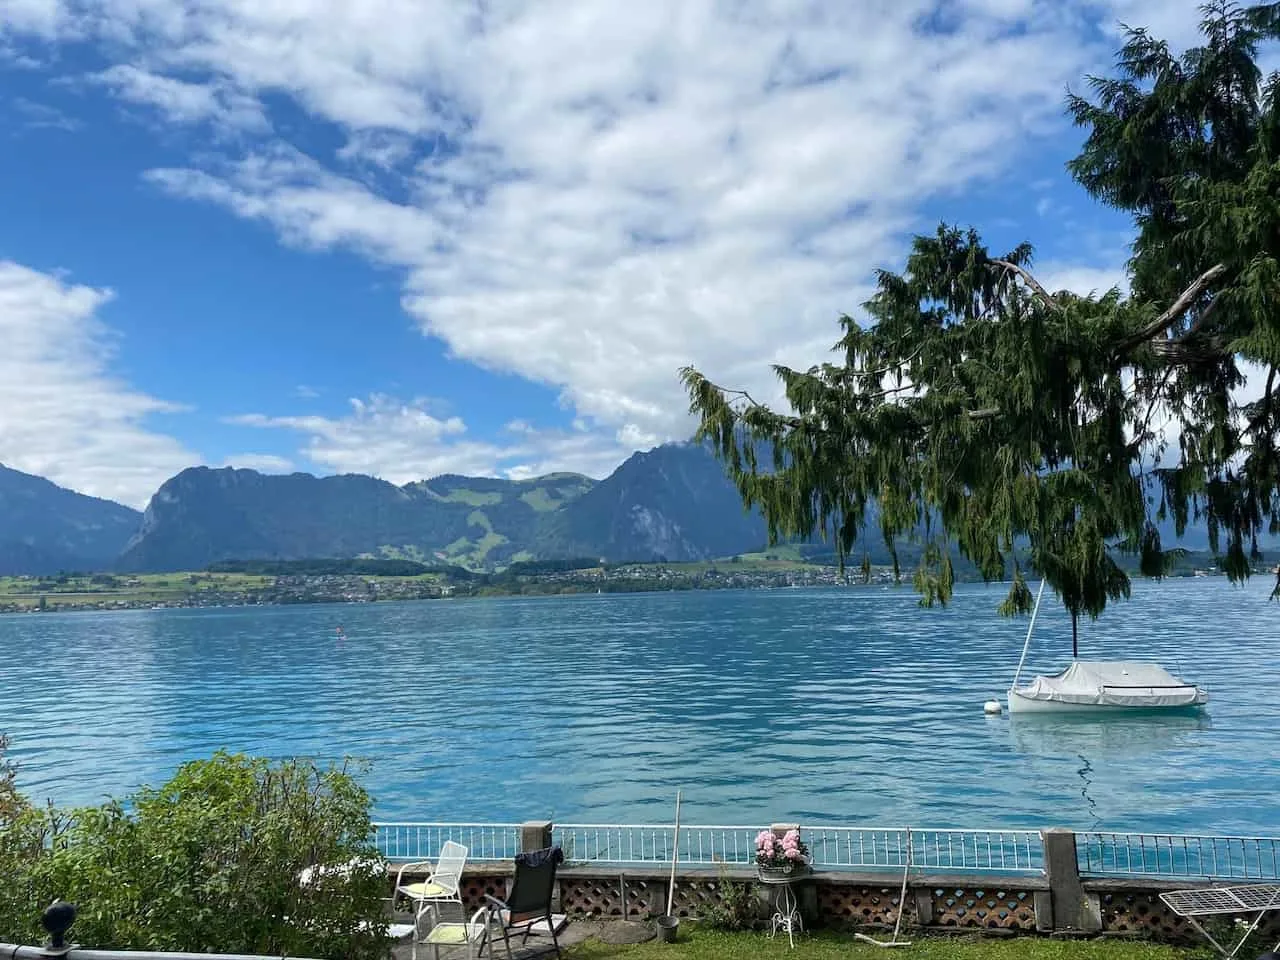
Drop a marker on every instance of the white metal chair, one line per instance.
(443, 885)
(474, 933)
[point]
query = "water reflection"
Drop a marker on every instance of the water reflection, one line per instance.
(1103, 748)
(1106, 737)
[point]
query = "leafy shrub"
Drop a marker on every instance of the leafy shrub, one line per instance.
(27, 837)
(11, 801)
(210, 862)
(737, 909)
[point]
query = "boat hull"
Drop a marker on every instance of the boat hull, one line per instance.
(1021, 703)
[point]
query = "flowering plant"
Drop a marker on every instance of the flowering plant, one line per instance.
(789, 850)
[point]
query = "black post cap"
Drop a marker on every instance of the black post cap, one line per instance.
(57, 919)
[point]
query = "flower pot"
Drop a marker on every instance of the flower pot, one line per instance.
(668, 927)
(789, 871)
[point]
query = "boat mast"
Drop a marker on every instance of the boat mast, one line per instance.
(1031, 626)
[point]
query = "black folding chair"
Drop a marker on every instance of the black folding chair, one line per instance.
(529, 899)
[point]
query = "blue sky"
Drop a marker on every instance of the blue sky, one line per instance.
(408, 237)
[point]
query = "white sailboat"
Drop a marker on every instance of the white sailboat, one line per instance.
(1101, 686)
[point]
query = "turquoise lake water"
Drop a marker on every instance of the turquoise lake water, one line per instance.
(837, 706)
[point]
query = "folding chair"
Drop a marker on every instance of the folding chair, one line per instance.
(528, 903)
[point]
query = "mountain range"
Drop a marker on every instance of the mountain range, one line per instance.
(671, 503)
(45, 528)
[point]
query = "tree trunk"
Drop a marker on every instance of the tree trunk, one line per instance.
(1075, 636)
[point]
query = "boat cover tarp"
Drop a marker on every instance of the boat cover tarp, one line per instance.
(1118, 683)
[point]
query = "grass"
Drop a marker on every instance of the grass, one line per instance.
(712, 945)
(541, 500)
(27, 592)
(472, 498)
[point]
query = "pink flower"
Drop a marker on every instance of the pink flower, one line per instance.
(791, 853)
(790, 842)
(792, 835)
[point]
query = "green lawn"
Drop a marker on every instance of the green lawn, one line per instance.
(711, 945)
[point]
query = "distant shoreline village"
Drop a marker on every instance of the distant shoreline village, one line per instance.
(281, 583)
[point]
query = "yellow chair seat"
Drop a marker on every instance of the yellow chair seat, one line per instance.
(452, 934)
(424, 890)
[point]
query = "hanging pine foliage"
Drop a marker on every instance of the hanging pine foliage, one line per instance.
(976, 409)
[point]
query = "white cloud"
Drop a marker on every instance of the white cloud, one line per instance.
(591, 195)
(382, 437)
(262, 462)
(35, 115)
(183, 102)
(1174, 21)
(63, 415)
(1082, 279)
(406, 441)
(43, 18)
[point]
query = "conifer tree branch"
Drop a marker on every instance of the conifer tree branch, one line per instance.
(1031, 282)
(1199, 323)
(1180, 306)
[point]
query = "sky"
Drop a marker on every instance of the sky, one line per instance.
(414, 237)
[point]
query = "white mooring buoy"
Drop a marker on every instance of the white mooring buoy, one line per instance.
(991, 708)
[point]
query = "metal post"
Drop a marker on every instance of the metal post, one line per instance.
(1073, 908)
(57, 920)
(535, 835)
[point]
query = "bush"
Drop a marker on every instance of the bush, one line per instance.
(27, 838)
(12, 803)
(210, 862)
(737, 909)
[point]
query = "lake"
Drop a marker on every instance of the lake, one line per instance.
(845, 706)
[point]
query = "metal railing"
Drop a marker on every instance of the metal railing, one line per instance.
(707, 846)
(832, 848)
(931, 851)
(630, 844)
(1178, 856)
(485, 842)
(1010, 852)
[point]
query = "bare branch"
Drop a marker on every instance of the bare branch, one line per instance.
(1198, 324)
(888, 368)
(731, 396)
(1182, 350)
(1140, 435)
(1266, 398)
(1180, 306)
(1031, 282)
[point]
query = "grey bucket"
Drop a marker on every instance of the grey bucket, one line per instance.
(667, 929)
